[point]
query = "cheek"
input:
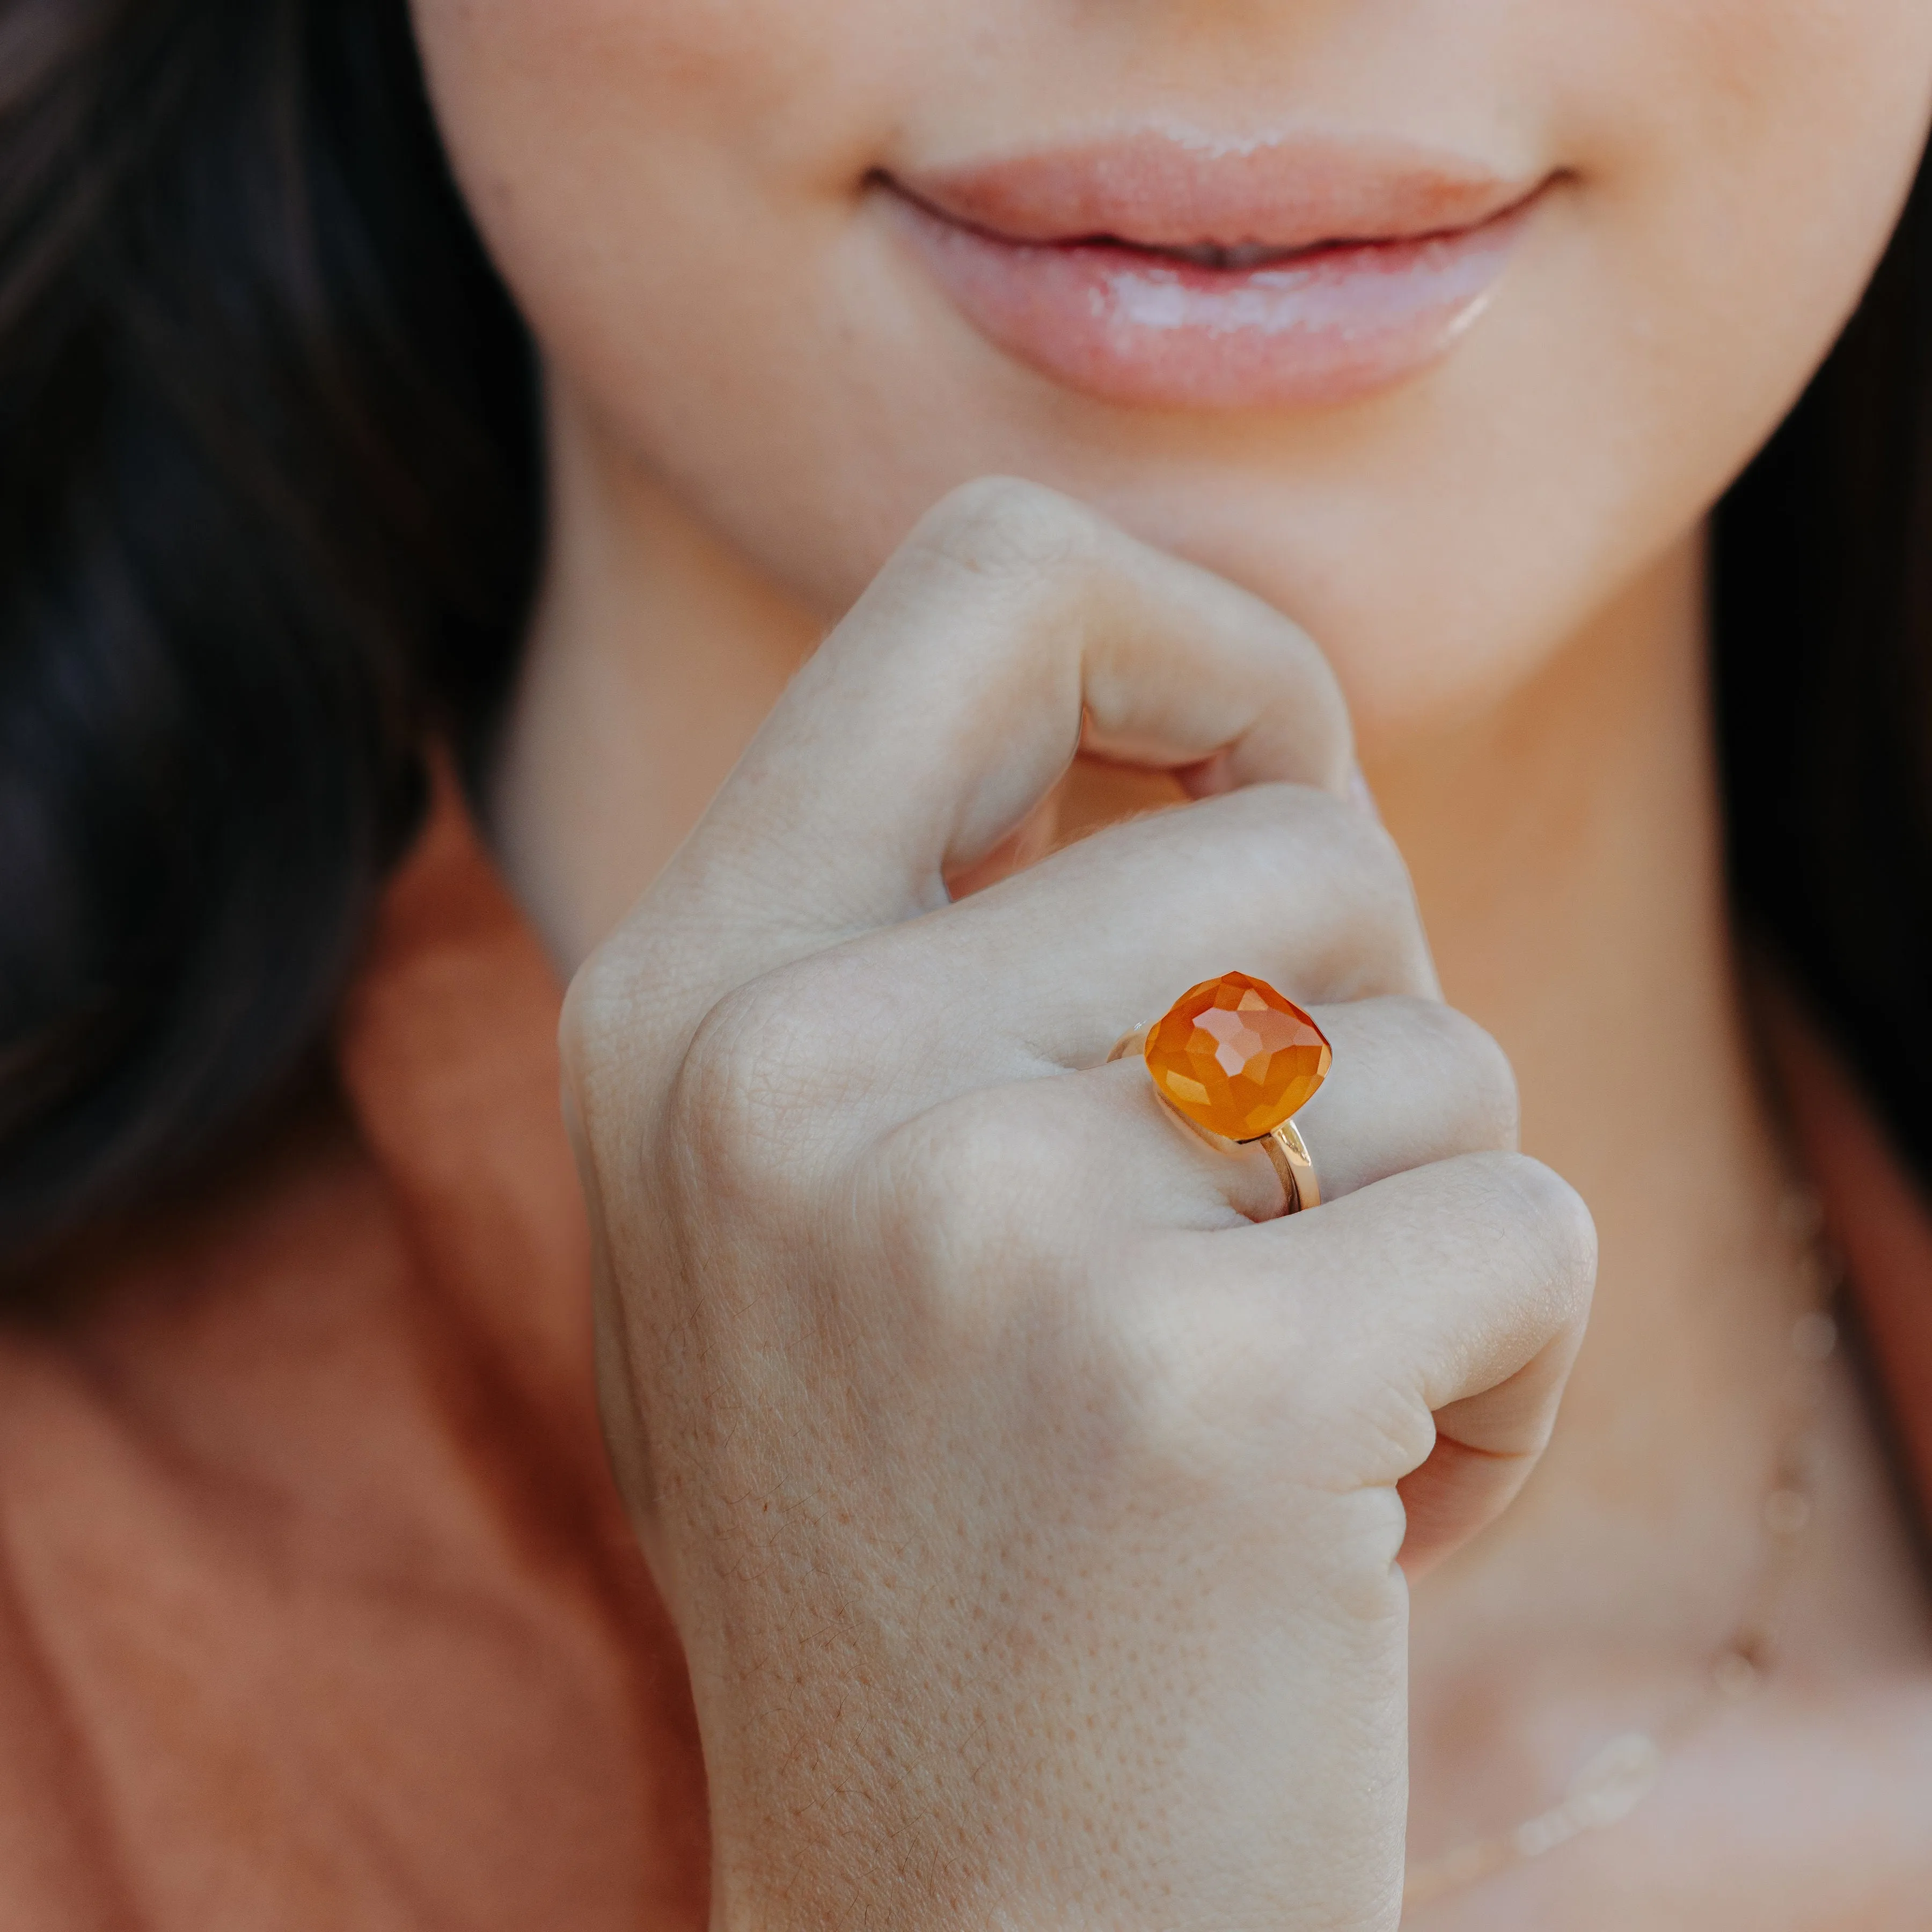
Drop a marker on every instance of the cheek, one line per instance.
(1740, 164)
(666, 186)
(616, 152)
(519, 78)
(1748, 158)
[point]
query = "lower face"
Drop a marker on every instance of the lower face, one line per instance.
(1436, 322)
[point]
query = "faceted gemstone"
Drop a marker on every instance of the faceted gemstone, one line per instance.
(1236, 1056)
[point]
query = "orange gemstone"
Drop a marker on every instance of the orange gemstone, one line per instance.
(1237, 1057)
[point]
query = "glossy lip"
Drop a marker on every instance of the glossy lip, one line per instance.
(1172, 271)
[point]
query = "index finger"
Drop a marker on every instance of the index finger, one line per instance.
(1012, 626)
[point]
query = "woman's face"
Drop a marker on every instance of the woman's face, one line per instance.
(811, 265)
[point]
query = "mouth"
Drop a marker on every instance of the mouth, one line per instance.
(1170, 271)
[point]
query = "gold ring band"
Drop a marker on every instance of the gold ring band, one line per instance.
(1295, 1166)
(1236, 1060)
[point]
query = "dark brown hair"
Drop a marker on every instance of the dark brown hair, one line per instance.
(268, 504)
(269, 508)
(1822, 625)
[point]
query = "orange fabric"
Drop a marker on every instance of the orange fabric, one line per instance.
(317, 1606)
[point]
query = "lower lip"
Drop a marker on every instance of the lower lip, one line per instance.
(1128, 326)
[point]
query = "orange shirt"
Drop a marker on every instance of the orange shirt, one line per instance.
(318, 1609)
(317, 1606)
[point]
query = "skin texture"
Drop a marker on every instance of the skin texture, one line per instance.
(755, 391)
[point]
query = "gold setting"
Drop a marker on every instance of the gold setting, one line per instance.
(1233, 1050)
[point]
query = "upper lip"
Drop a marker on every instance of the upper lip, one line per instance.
(1227, 204)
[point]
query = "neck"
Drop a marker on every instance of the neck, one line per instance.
(1566, 847)
(653, 657)
(1566, 850)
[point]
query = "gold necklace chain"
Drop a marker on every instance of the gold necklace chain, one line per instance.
(1617, 1778)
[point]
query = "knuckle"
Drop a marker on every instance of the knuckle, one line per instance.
(1470, 1064)
(600, 999)
(970, 1200)
(608, 1033)
(1356, 853)
(1329, 857)
(718, 1104)
(1542, 1229)
(979, 1170)
(1365, 858)
(594, 994)
(771, 1070)
(1002, 527)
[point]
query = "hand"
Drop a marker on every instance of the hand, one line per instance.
(1028, 1502)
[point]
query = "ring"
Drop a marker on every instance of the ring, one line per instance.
(1237, 1060)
